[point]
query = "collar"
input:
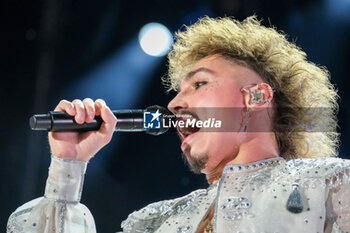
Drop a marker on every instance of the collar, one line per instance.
(233, 168)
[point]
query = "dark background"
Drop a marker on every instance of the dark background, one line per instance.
(57, 49)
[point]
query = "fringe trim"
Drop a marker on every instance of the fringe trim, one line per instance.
(339, 177)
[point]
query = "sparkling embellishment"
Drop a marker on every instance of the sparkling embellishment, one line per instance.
(235, 208)
(187, 206)
(159, 207)
(62, 215)
(274, 180)
(13, 225)
(184, 229)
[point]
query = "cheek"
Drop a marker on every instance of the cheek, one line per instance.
(221, 95)
(231, 95)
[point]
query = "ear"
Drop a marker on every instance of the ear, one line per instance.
(257, 96)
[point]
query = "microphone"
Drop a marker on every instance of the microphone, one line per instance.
(127, 121)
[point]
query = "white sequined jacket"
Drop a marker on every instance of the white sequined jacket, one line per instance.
(248, 198)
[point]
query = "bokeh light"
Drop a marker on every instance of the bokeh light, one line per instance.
(155, 39)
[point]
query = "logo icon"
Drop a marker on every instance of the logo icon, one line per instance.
(151, 120)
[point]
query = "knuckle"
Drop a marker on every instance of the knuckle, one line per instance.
(101, 101)
(63, 105)
(78, 103)
(88, 100)
(89, 104)
(63, 102)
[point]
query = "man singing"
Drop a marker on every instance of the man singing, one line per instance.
(272, 172)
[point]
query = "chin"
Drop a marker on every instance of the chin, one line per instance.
(194, 160)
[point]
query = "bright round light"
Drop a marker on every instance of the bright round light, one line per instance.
(155, 39)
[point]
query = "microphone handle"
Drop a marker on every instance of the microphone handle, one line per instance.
(128, 121)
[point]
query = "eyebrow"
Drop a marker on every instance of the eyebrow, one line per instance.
(192, 73)
(201, 69)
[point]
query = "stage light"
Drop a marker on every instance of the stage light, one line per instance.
(120, 79)
(338, 9)
(155, 39)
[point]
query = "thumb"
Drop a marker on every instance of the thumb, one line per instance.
(109, 122)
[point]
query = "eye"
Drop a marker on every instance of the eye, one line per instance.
(199, 84)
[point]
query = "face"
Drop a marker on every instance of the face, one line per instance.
(212, 83)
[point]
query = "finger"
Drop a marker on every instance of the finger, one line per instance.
(66, 106)
(80, 111)
(99, 103)
(108, 125)
(89, 109)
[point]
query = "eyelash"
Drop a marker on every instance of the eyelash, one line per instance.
(199, 84)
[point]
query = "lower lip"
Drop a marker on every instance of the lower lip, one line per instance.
(187, 139)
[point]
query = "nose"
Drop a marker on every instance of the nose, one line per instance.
(177, 103)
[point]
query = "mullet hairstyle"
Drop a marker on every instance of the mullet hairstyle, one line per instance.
(305, 102)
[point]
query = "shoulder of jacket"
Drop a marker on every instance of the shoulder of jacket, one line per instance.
(317, 167)
(153, 215)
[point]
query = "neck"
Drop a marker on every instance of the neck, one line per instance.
(259, 146)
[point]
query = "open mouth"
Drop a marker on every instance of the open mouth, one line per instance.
(186, 128)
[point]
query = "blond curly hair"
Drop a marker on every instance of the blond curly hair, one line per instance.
(305, 101)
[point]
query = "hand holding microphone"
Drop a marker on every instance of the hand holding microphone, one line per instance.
(83, 146)
(79, 129)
